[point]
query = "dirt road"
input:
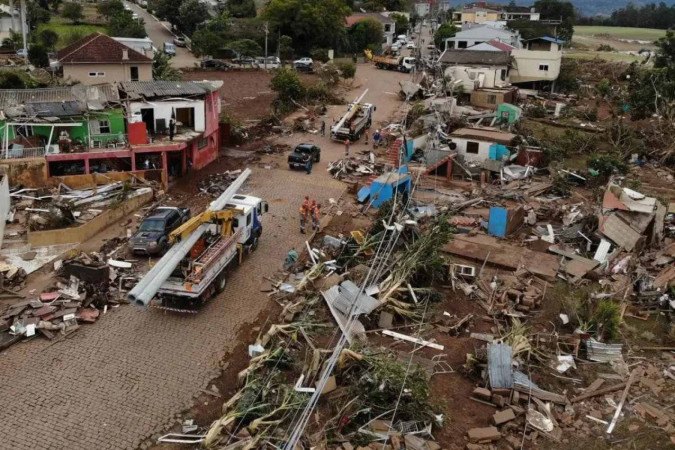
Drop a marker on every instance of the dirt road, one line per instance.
(117, 383)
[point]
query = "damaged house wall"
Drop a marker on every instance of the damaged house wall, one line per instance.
(4, 204)
(164, 110)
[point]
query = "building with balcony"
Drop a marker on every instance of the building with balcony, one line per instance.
(172, 126)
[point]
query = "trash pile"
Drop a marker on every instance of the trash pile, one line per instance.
(86, 286)
(353, 168)
(61, 207)
(216, 183)
(369, 377)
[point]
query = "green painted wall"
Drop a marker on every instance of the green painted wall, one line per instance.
(81, 133)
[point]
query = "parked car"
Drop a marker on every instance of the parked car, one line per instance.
(134, 16)
(22, 53)
(244, 61)
(304, 64)
(179, 41)
(152, 237)
(214, 64)
(271, 62)
(298, 157)
(170, 48)
(395, 47)
(411, 45)
(431, 47)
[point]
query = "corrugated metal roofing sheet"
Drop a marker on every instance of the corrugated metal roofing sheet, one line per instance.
(153, 89)
(54, 109)
(598, 351)
(99, 94)
(500, 370)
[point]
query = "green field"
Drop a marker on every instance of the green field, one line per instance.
(607, 56)
(68, 33)
(642, 34)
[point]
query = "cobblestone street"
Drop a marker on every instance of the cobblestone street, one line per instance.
(113, 385)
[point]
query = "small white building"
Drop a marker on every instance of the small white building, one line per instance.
(479, 34)
(473, 144)
(157, 114)
(474, 69)
(422, 9)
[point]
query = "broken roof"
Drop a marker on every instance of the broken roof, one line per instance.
(475, 57)
(485, 134)
(97, 48)
(59, 101)
(154, 89)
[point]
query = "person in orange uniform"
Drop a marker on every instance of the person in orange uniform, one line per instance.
(305, 212)
(316, 216)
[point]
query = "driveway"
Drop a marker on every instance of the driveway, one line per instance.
(160, 33)
(115, 384)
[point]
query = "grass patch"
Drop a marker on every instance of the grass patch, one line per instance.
(642, 34)
(67, 31)
(607, 56)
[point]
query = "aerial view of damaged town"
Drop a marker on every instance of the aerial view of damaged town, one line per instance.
(337, 224)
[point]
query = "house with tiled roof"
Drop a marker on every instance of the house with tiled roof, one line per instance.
(98, 58)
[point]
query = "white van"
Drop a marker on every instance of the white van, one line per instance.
(272, 62)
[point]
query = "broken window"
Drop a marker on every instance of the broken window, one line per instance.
(387, 28)
(24, 130)
(492, 99)
(472, 147)
(543, 67)
(99, 126)
(461, 44)
(503, 75)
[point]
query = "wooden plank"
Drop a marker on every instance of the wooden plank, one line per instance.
(597, 392)
(634, 375)
(407, 338)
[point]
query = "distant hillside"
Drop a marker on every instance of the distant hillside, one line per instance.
(594, 7)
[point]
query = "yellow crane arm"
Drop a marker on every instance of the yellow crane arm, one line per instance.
(223, 217)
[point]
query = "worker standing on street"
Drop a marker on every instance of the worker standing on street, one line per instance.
(323, 128)
(347, 144)
(316, 216)
(308, 164)
(305, 211)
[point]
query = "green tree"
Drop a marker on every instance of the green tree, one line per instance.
(366, 34)
(241, 8)
(168, 10)
(665, 55)
(210, 38)
(161, 68)
(445, 31)
(402, 23)
(48, 38)
(287, 85)
(310, 23)
(285, 47)
(558, 10)
(124, 25)
(191, 14)
(15, 80)
(347, 69)
(72, 12)
(37, 55)
(110, 8)
(35, 15)
(245, 47)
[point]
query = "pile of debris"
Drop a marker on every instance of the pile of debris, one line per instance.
(352, 168)
(85, 287)
(216, 183)
(48, 209)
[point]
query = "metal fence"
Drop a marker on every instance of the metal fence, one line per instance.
(23, 152)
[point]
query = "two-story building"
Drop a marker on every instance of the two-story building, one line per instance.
(172, 126)
(388, 24)
(539, 60)
(482, 12)
(479, 34)
(98, 58)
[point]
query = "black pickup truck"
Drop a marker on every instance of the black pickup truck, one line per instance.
(152, 237)
(298, 157)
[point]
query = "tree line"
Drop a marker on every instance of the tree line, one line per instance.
(651, 15)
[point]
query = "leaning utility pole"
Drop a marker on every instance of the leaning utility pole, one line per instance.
(267, 31)
(24, 30)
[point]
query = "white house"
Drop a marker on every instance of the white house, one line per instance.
(473, 144)
(422, 9)
(157, 114)
(474, 69)
(539, 60)
(479, 34)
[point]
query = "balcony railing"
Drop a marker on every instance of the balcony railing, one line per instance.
(23, 152)
(110, 140)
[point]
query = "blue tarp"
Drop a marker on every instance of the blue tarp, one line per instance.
(498, 152)
(363, 194)
(499, 218)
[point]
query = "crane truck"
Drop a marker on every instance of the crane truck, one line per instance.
(355, 121)
(203, 250)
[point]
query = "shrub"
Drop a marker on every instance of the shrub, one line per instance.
(605, 48)
(606, 320)
(607, 163)
(347, 69)
(603, 87)
(319, 54)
